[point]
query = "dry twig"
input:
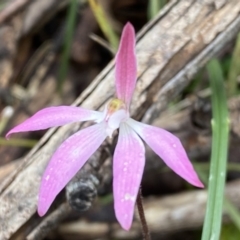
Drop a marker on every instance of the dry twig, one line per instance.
(164, 215)
(12, 8)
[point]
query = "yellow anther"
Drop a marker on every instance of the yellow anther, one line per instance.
(115, 105)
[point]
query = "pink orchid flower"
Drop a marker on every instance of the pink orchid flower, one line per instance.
(129, 155)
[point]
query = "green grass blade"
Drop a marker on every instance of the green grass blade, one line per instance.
(18, 142)
(229, 207)
(154, 7)
(234, 69)
(232, 212)
(217, 175)
(70, 25)
(205, 166)
(229, 232)
(2, 5)
(104, 23)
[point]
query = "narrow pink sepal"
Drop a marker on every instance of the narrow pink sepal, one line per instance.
(67, 161)
(169, 148)
(126, 65)
(128, 165)
(53, 117)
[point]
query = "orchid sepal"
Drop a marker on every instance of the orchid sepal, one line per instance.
(55, 117)
(169, 148)
(61, 170)
(126, 66)
(128, 166)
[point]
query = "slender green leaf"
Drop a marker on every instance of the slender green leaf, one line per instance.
(104, 23)
(232, 212)
(2, 5)
(217, 175)
(18, 142)
(70, 25)
(205, 167)
(229, 207)
(154, 7)
(234, 70)
(229, 232)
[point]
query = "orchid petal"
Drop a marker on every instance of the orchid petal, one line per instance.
(126, 65)
(169, 148)
(67, 161)
(55, 116)
(128, 165)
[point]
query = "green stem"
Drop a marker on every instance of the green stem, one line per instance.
(205, 166)
(220, 130)
(234, 69)
(154, 7)
(18, 142)
(104, 24)
(232, 212)
(229, 207)
(70, 25)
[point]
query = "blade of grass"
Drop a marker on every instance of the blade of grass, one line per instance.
(229, 232)
(234, 69)
(220, 130)
(102, 42)
(229, 207)
(104, 23)
(205, 166)
(29, 143)
(232, 212)
(70, 25)
(2, 5)
(154, 7)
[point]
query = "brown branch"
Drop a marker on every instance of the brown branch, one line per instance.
(183, 211)
(50, 222)
(12, 8)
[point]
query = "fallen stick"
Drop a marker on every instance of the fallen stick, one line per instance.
(182, 211)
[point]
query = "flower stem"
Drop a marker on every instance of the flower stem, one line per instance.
(145, 229)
